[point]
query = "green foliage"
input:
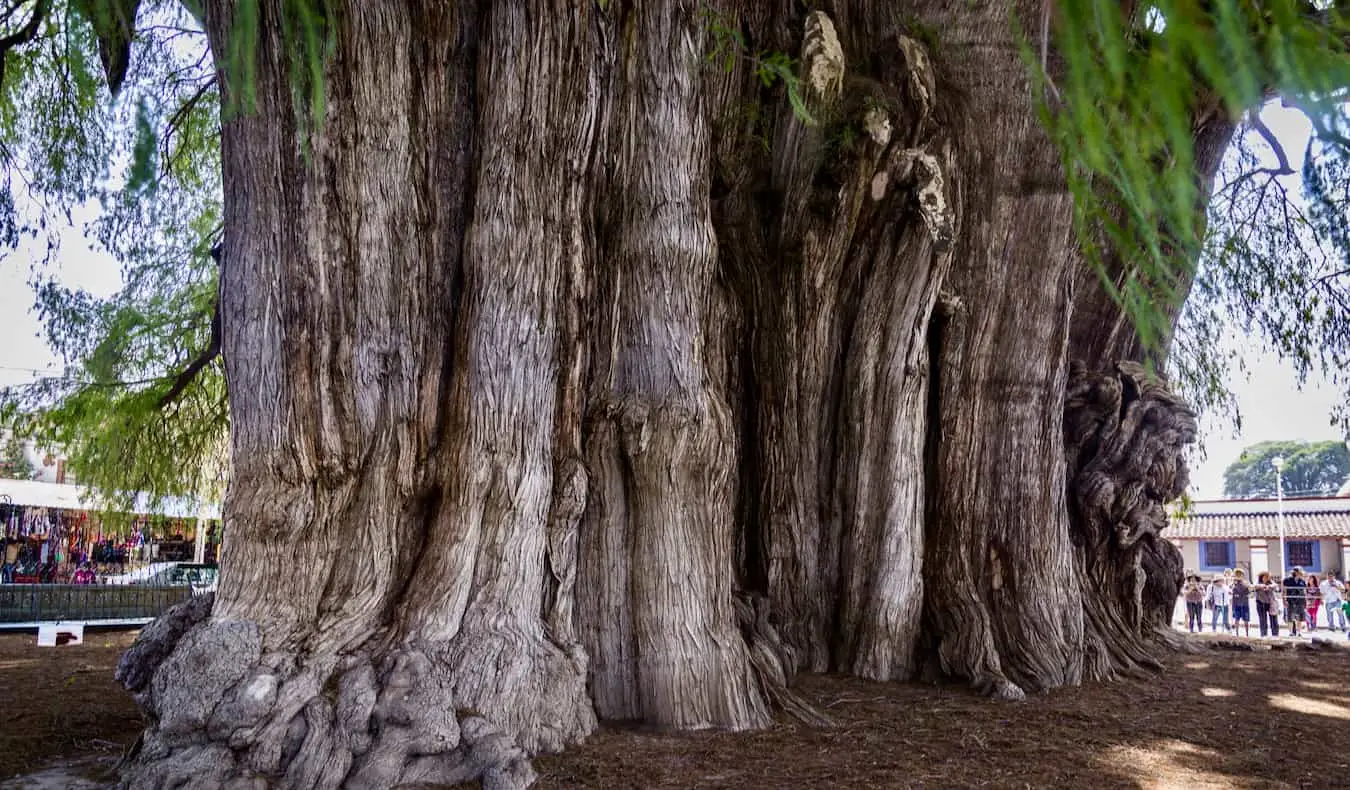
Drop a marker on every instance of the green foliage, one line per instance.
(14, 465)
(1310, 469)
(149, 161)
(1125, 110)
(307, 41)
(770, 67)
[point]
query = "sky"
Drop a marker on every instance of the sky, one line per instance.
(1269, 399)
(24, 353)
(1271, 403)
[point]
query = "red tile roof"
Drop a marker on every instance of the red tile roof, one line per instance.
(1327, 517)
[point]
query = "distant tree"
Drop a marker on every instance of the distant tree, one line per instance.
(14, 465)
(1310, 469)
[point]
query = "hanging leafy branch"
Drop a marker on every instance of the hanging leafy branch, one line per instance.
(1132, 89)
(141, 404)
(771, 67)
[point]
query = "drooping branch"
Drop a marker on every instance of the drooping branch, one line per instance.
(24, 34)
(208, 354)
(114, 23)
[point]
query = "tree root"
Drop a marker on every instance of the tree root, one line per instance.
(774, 662)
(224, 714)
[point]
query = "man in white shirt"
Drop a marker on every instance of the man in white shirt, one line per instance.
(1332, 593)
(1218, 597)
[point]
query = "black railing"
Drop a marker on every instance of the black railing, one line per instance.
(27, 603)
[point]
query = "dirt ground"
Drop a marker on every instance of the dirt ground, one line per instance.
(1218, 719)
(62, 701)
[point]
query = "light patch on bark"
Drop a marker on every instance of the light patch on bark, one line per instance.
(877, 124)
(921, 77)
(879, 183)
(930, 192)
(823, 56)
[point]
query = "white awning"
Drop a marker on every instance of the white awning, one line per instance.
(34, 493)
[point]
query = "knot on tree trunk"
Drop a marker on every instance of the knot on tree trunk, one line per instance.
(822, 56)
(1125, 434)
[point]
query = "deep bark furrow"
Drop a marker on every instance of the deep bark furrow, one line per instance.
(572, 374)
(534, 142)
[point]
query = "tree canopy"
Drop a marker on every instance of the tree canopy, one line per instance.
(1310, 469)
(127, 131)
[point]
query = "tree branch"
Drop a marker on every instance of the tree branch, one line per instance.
(208, 354)
(29, 31)
(176, 120)
(24, 34)
(1269, 136)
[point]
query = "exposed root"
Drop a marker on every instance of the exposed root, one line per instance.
(1001, 689)
(773, 661)
(225, 714)
(158, 640)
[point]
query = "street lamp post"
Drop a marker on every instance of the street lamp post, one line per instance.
(1278, 463)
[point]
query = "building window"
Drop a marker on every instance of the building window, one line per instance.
(1306, 554)
(1217, 555)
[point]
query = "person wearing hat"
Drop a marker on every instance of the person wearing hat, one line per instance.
(1195, 598)
(1239, 592)
(1295, 599)
(1267, 595)
(1217, 598)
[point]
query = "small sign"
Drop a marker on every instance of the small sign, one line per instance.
(60, 634)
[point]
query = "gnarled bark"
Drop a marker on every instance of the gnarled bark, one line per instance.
(572, 376)
(1124, 438)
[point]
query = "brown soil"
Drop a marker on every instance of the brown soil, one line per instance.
(62, 701)
(1218, 719)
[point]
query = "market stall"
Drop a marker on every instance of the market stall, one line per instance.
(51, 535)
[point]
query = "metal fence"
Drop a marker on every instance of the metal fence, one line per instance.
(33, 603)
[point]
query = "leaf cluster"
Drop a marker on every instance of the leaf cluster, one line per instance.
(145, 164)
(1133, 88)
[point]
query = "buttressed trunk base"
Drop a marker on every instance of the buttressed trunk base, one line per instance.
(574, 375)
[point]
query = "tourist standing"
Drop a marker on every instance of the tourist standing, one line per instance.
(1314, 601)
(1295, 599)
(1217, 598)
(1239, 593)
(1266, 595)
(1194, 595)
(1333, 595)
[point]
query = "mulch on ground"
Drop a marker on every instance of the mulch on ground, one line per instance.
(62, 701)
(1217, 719)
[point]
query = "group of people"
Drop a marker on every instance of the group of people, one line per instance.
(1297, 600)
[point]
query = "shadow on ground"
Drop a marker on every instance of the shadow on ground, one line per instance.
(1220, 718)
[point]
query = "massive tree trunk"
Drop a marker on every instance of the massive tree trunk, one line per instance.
(575, 375)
